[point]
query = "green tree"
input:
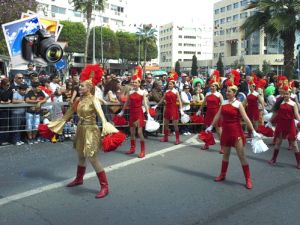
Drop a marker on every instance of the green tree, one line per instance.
(128, 46)
(11, 10)
(147, 37)
(194, 71)
(277, 19)
(111, 48)
(220, 66)
(74, 33)
(87, 8)
(177, 68)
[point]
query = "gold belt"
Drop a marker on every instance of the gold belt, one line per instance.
(82, 122)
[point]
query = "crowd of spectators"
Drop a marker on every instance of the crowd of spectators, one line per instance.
(18, 125)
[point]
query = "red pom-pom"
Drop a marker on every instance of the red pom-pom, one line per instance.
(196, 119)
(152, 112)
(119, 120)
(207, 137)
(112, 141)
(266, 131)
(45, 132)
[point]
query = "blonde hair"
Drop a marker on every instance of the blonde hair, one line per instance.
(233, 88)
(90, 85)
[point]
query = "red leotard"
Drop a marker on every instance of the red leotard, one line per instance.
(171, 108)
(232, 128)
(252, 106)
(135, 107)
(285, 126)
(212, 107)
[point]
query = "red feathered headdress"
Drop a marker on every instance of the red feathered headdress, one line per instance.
(215, 78)
(92, 72)
(235, 77)
(281, 80)
(173, 76)
(138, 73)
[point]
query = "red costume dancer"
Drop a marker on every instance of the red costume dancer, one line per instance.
(213, 100)
(231, 112)
(135, 101)
(253, 100)
(286, 111)
(171, 97)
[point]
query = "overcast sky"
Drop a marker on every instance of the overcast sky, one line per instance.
(159, 12)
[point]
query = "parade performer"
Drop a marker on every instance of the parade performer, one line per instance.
(213, 100)
(253, 100)
(231, 112)
(285, 112)
(136, 99)
(171, 98)
(87, 140)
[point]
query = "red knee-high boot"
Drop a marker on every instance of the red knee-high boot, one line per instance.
(274, 158)
(223, 171)
(79, 177)
(103, 185)
(177, 138)
(297, 155)
(247, 176)
(142, 153)
(165, 138)
(132, 147)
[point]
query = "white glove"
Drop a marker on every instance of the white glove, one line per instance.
(268, 124)
(121, 113)
(209, 129)
(265, 112)
(149, 117)
(255, 134)
(154, 107)
(198, 113)
(181, 112)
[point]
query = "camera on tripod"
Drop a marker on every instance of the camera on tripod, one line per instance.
(41, 44)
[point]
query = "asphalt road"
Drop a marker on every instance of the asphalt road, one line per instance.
(172, 185)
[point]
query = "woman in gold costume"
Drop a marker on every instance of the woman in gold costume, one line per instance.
(87, 140)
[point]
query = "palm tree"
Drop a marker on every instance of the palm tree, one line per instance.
(278, 18)
(147, 35)
(87, 7)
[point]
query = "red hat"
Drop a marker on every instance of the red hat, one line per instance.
(92, 72)
(138, 73)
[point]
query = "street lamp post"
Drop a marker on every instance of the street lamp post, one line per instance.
(94, 36)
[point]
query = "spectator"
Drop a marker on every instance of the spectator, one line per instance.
(18, 114)
(67, 94)
(180, 84)
(164, 81)
(34, 96)
(18, 80)
(198, 96)
(111, 90)
(186, 99)
(6, 95)
(149, 82)
(56, 88)
(127, 79)
(30, 70)
(156, 93)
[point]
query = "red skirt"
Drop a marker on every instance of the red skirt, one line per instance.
(136, 114)
(210, 115)
(285, 129)
(171, 112)
(231, 133)
(253, 113)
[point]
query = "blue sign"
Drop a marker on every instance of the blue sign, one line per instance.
(61, 64)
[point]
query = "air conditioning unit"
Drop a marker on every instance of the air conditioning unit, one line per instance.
(53, 14)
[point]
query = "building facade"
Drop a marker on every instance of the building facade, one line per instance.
(181, 42)
(114, 15)
(230, 43)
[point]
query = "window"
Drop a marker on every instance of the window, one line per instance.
(105, 19)
(179, 44)
(222, 9)
(243, 15)
(228, 19)
(77, 14)
(229, 7)
(189, 52)
(235, 5)
(179, 36)
(235, 17)
(222, 43)
(198, 53)
(187, 60)
(222, 21)
(222, 32)
(217, 11)
(244, 2)
(189, 45)
(217, 22)
(179, 52)
(190, 37)
(56, 9)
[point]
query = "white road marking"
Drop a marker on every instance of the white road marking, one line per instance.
(117, 166)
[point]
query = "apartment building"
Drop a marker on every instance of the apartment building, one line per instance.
(113, 16)
(229, 41)
(181, 42)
